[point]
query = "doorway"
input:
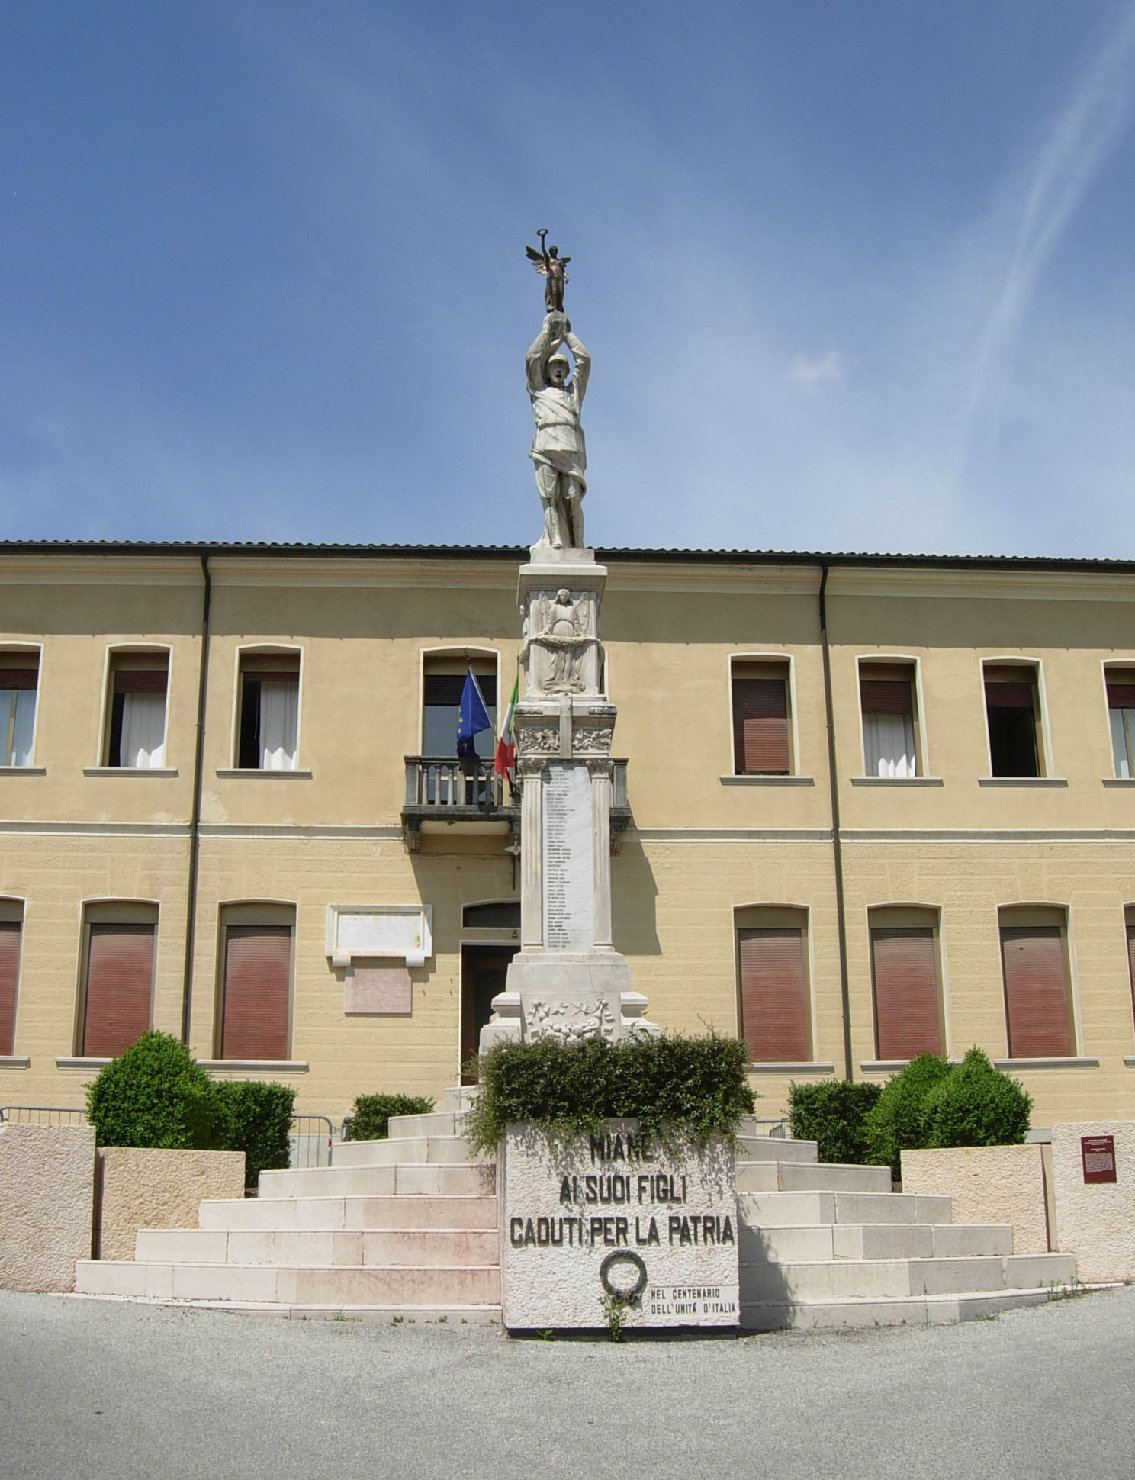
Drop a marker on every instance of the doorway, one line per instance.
(483, 972)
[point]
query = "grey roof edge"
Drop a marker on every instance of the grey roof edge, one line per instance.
(512, 553)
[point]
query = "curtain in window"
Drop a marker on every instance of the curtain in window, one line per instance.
(143, 731)
(17, 716)
(279, 717)
(888, 744)
(1122, 740)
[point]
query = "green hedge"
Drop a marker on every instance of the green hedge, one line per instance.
(256, 1120)
(678, 1089)
(155, 1094)
(976, 1105)
(896, 1122)
(370, 1117)
(833, 1114)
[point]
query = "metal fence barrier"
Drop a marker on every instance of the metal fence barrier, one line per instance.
(41, 1115)
(310, 1140)
(310, 1137)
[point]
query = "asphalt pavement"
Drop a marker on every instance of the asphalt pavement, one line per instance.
(93, 1389)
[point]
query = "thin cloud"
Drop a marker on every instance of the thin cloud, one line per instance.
(1078, 143)
(811, 375)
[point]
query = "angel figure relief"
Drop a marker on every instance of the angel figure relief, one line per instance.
(550, 265)
(563, 627)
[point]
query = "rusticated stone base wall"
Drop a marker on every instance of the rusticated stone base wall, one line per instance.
(47, 1176)
(1096, 1220)
(158, 1189)
(988, 1184)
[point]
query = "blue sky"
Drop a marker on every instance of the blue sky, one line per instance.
(854, 274)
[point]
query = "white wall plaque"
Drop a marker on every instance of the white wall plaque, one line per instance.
(569, 868)
(392, 931)
(616, 1215)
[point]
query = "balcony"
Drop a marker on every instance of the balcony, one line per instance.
(444, 793)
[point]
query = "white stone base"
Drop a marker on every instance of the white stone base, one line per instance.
(616, 1215)
(557, 994)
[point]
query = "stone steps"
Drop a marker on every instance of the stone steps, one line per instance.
(351, 1213)
(434, 1150)
(436, 1248)
(408, 1229)
(790, 1176)
(809, 1242)
(758, 1148)
(402, 1229)
(839, 1315)
(772, 1208)
(341, 1287)
(401, 1179)
(896, 1279)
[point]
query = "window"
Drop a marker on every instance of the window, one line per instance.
(1013, 715)
(11, 929)
(497, 914)
(772, 985)
(269, 711)
(886, 701)
(136, 728)
(118, 977)
(761, 741)
(256, 976)
(443, 681)
(904, 975)
(1121, 715)
(1035, 968)
(1129, 921)
(19, 679)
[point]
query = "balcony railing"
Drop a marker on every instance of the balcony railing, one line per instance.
(445, 790)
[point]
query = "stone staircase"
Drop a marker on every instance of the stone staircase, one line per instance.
(828, 1246)
(405, 1228)
(408, 1228)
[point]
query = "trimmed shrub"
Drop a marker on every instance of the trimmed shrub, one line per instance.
(370, 1118)
(976, 1105)
(896, 1122)
(155, 1094)
(833, 1115)
(679, 1089)
(256, 1119)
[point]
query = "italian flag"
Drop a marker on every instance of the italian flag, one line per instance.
(505, 757)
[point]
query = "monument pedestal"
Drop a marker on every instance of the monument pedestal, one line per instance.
(567, 981)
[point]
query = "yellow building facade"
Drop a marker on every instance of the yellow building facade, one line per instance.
(872, 805)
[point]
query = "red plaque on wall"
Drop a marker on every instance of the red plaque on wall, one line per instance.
(1098, 1155)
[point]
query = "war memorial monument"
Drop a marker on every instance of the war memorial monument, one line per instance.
(614, 1217)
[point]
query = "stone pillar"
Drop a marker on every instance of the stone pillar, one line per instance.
(567, 981)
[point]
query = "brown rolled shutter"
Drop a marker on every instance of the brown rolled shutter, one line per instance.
(773, 1021)
(18, 678)
(885, 696)
(120, 977)
(906, 993)
(1009, 695)
(1036, 992)
(257, 971)
(760, 726)
(9, 972)
(1120, 695)
(141, 681)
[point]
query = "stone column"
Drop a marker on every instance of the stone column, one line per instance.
(567, 981)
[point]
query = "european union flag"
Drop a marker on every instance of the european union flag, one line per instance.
(472, 716)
